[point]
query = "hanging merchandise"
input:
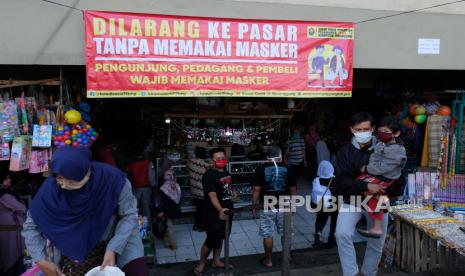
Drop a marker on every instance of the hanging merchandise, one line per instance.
(42, 136)
(39, 161)
(81, 134)
(5, 152)
(8, 121)
(28, 113)
(72, 117)
(20, 153)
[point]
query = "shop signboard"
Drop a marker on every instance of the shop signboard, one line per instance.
(148, 55)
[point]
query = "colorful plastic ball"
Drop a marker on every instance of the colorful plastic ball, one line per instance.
(420, 119)
(68, 132)
(79, 140)
(60, 128)
(85, 142)
(62, 144)
(88, 126)
(420, 110)
(68, 142)
(66, 128)
(75, 132)
(73, 138)
(444, 110)
(60, 138)
(75, 144)
(56, 143)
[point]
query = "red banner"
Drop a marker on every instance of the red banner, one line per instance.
(147, 55)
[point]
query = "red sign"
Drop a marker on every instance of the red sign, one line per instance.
(147, 55)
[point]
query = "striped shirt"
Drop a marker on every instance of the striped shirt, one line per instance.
(296, 151)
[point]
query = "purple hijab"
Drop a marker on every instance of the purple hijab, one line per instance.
(75, 220)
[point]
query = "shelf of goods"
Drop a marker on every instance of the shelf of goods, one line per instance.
(242, 173)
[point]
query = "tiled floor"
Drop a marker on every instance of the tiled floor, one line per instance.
(244, 238)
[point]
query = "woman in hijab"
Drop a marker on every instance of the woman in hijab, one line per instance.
(12, 216)
(170, 196)
(83, 216)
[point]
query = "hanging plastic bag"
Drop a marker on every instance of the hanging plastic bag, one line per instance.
(39, 161)
(108, 271)
(20, 153)
(42, 136)
(9, 127)
(5, 152)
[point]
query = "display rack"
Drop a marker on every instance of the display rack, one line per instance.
(241, 171)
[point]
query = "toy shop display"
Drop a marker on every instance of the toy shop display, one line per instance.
(79, 134)
(241, 136)
(9, 127)
(20, 153)
(39, 161)
(42, 136)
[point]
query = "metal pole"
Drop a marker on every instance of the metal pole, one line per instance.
(287, 244)
(226, 246)
(227, 225)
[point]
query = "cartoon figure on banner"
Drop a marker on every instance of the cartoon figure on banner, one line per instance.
(317, 63)
(337, 67)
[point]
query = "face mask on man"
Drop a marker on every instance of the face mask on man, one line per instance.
(363, 137)
(221, 164)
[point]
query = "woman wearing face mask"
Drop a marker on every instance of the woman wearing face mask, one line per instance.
(219, 198)
(88, 213)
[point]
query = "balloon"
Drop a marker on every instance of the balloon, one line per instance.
(420, 119)
(420, 110)
(73, 116)
(413, 109)
(444, 110)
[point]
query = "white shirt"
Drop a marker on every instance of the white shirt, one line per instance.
(319, 191)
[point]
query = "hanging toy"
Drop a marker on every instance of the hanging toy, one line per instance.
(420, 110)
(72, 116)
(420, 119)
(444, 111)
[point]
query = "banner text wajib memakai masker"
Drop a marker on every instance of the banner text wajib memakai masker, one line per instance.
(147, 55)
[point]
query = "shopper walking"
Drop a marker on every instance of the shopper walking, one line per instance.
(311, 139)
(143, 177)
(219, 198)
(322, 190)
(351, 160)
(88, 213)
(197, 168)
(169, 208)
(12, 216)
(296, 157)
(271, 180)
